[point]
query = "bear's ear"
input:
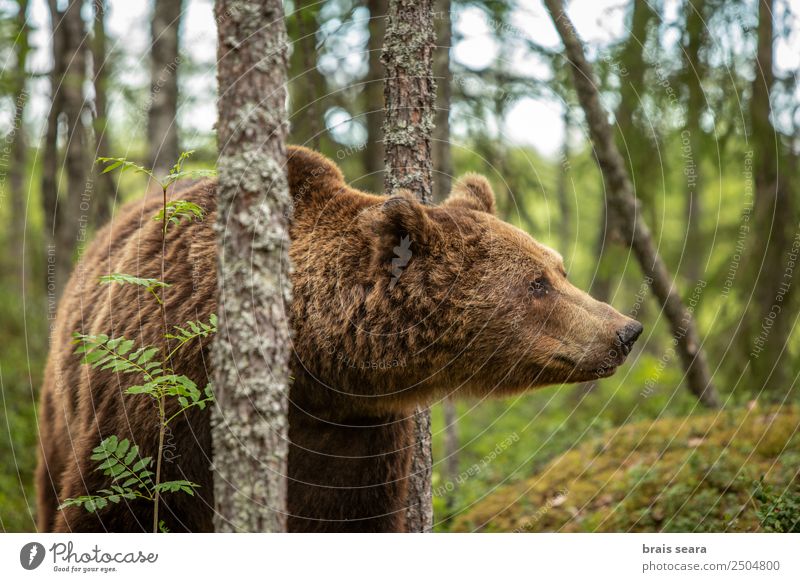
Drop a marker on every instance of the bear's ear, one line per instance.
(472, 191)
(311, 174)
(402, 223)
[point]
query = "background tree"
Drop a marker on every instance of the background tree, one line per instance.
(373, 94)
(70, 47)
(252, 349)
(307, 92)
(162, 115)
(409, 96)
(104, 186)
(763, 338)
(624, 203)
(16, 139)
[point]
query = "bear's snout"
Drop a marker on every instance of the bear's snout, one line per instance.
(628, 335)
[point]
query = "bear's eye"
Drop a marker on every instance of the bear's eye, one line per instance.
(538, 287)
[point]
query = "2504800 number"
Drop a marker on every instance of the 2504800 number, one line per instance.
(767, 565)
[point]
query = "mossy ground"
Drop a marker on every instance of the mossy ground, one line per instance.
(687, 474)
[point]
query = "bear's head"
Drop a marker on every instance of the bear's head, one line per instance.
(406, 299)
(495, 303)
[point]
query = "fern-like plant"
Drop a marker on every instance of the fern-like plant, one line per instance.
(131, 476)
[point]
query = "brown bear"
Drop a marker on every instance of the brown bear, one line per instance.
(395, 305)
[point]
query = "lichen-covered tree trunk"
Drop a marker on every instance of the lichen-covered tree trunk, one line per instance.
(409, 96)
(622, 199)
(251, 351)
(162, 123)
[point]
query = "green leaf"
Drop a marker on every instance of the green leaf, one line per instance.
(141, 464)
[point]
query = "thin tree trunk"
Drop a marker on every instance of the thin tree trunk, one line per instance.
(104, 187)
(443, 173)
(307, 99)
(373, 93)
(17, 143)
(692, 146)
(50, 158)
(451, 451)
(562, 187)
(162, 122)
(764, 336)
(252, 349)
(70, 214)
(622, 199)
(409, 95)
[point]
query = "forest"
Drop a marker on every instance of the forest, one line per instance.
(655, 144)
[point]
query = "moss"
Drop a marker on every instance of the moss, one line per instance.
(674, 474)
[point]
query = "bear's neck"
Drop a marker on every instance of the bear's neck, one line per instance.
(348, 476)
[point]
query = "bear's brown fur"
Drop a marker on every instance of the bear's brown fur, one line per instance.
(395, 305)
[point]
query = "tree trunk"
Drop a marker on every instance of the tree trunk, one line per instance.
(104, 186)
(17, 143)
(252, 349)
(622, 199)
(692, 146)
(769, 313)
(50, 157)
(162, 121)
(309, 84)
(443, 173)
(70, 47)
(373, 93)
(409, 96)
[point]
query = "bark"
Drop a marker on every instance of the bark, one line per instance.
(409, 94)
(373, 93)
(252, 349)
(764, 338)
(622, 199)
(104, 187)
(409, 97)
(162, 121)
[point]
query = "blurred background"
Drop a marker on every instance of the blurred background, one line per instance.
(704, 100)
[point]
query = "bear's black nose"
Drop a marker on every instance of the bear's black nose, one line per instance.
(628, 335)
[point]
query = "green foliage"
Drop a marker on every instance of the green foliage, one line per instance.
(123, 164)
(150, 284)
(115, 354)
(778, 512)
(179, 210)
(176, 172)
(130, 474)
